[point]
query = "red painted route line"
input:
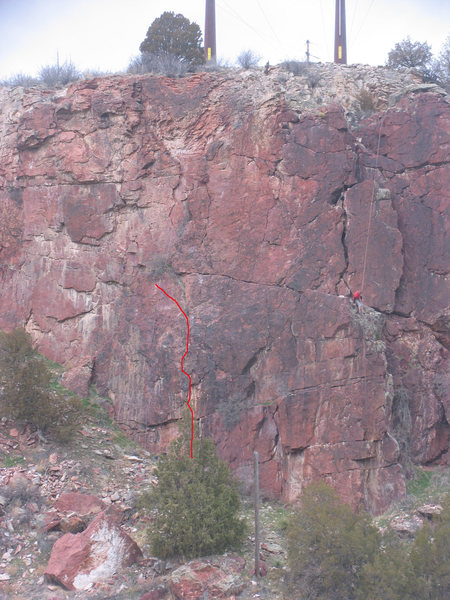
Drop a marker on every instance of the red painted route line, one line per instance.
(182, 358)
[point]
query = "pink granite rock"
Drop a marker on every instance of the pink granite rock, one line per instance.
(80, 504)
(208, 578)
(254, 214)
(159, 592)
(80, 560)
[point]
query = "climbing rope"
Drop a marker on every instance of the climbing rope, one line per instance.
(367, 247)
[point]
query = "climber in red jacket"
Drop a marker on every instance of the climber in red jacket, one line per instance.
(357, 299)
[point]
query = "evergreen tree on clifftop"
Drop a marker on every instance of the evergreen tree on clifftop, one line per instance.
(176, 36)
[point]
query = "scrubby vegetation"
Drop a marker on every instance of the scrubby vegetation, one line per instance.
(53, 75)
(197, 502)
(248, 59)
(328, 544)
(162, 63)
(336, 554)
(408, 54)
(29, 392)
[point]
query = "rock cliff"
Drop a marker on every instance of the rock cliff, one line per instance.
(258, 202)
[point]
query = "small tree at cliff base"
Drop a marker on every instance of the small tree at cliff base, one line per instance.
(174, 35)
(27, 390)
(197, 502)
(390, 575)
(430, 556)
(335, 554)
(328, 544)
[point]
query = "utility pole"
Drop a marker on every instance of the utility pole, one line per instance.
(307, 51)
(256, 491)
(210, 31)
(340, 38)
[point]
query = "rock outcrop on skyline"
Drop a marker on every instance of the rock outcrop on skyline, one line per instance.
(257, 202)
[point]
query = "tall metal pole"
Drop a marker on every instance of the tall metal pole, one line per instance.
(340, 38)
(210, 31)
(307, 51)
(256, 480)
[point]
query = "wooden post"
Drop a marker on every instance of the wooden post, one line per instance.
(256, 465)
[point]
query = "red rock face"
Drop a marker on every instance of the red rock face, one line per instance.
(259, 220)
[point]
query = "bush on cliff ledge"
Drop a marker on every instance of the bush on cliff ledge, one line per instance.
(27, 389)
(197, 503)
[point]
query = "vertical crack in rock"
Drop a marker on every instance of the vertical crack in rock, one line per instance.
(344, 245)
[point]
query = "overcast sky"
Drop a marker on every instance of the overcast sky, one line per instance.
(105, 34)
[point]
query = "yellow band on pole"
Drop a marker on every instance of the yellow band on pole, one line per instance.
(209, 53)
(339, 51)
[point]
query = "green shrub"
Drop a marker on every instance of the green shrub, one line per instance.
(430, 556)
(328, 544)
(334, 554)
(390, 576)
(419, 485)
(420, 571)
(26, 389)
(197, 503)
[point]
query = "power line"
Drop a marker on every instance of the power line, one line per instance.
(237, 16)
(364, 20)
(325, 36)
(270, 26)
(223, 4)
(353, 20)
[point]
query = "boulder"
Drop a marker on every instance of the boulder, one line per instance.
(78, 561)
(429, 511)
(80, 504)
(406, 525)
(213, 579)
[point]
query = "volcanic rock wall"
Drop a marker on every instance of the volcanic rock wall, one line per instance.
(251, 200)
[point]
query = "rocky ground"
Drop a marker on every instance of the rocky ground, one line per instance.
(50, 493)
(47, 492)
